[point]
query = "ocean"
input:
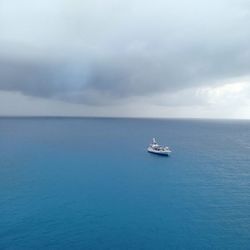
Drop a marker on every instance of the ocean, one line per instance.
(89, 183)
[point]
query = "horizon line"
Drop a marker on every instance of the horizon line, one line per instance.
(120, 117)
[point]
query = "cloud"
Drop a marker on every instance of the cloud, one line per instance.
(101, 54)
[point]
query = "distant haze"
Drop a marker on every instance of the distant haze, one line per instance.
(161, 58)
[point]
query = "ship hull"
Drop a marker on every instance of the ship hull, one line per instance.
(165, 152)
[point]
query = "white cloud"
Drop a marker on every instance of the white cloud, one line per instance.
(231, 94)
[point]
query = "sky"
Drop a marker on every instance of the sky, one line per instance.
(133, 58)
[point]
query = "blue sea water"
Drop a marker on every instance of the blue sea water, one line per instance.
(88, 183)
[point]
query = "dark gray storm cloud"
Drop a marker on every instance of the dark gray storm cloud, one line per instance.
(91, 52)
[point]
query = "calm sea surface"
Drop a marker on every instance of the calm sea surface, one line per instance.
(89, 184)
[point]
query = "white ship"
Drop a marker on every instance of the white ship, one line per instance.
(155, 148)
